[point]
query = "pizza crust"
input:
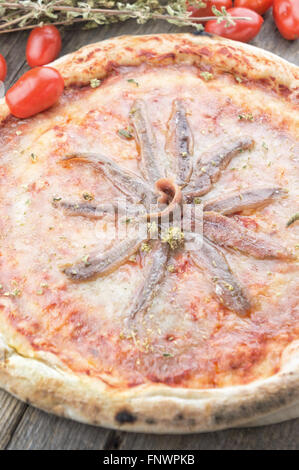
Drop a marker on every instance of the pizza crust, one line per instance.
(42, 380)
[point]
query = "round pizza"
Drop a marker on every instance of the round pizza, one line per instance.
(149, 238)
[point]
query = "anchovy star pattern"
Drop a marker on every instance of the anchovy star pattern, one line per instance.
(190, 180)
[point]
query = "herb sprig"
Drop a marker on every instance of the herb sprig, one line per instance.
(26, 14)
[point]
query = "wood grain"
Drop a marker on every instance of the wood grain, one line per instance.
(278, 436)
(11, 411)
(39, 430)
(23, 427)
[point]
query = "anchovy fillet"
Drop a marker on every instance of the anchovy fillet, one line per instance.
(226, 232)
(102, 263)
(152, 281)
(208, 173)
(97, 211)
(146, 142)
(237, 202)
(170, 197)
(128, 183)
(227, 290)
(180, 142)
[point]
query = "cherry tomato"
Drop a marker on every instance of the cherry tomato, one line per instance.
(199, 12)
(260, 6)
(35, 91)
(3, 68)
(43, 45)
(286, 16)
(242, 31)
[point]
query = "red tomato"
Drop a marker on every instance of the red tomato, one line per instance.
(260, 6)
(35, 91)
(243, 30)
(286, 16)
(3, 68)
(43, 45)
(207, 10)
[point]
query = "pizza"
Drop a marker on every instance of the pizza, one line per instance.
(192, 323)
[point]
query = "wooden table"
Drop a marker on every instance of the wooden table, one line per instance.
(24, 427)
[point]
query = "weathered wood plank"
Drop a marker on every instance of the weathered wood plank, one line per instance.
(23, 427)
(278, 436)
(11, 411)
(41, 431)
(14, 53)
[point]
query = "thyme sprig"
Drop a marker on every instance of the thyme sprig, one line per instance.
(26, 14)
(223, 15)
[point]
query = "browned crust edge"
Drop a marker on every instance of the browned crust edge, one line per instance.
(43, 382)
(40, 379)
